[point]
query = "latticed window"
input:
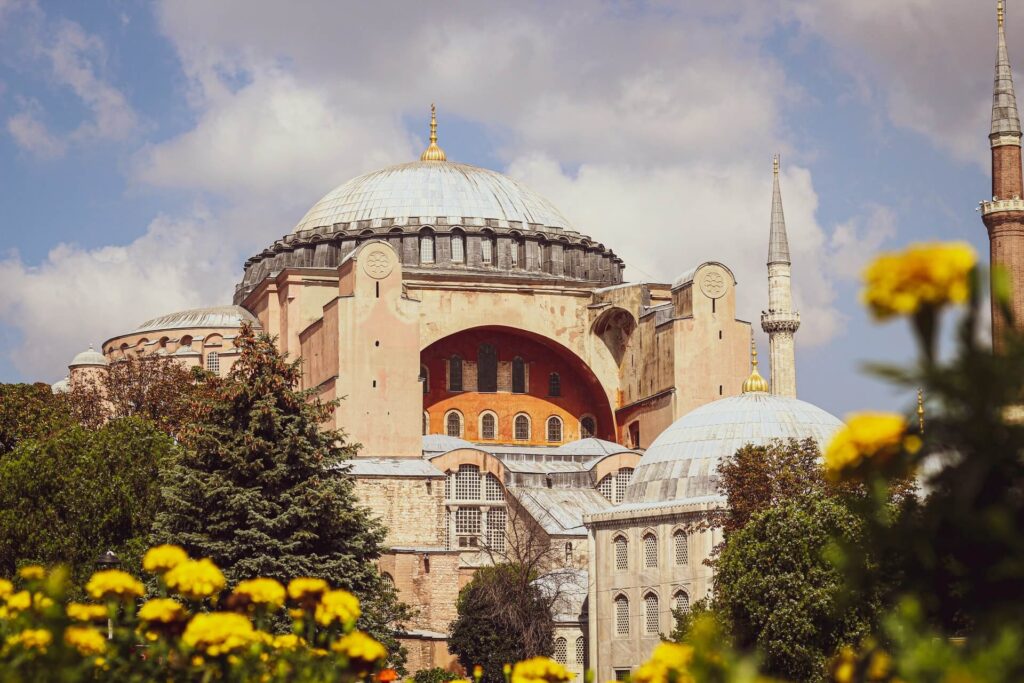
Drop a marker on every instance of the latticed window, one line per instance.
(487, 426)
(487, 250)
(607, 486)
(518, 376)
(467, 521)
(453, 424)
(682, 547)
(448, 485)
(455, 373)
(447, 527)
(622, 615)
(426, 248)
(682, 602)
(561, 645)
(213, 362)
(581, 651)
(497, 518)
(621, 479)
(389, 580)
(650, 551)
(554, 384)
(587, 427)
(458, 248)
(467, 483)
(554, 429)
(651, 620)
(621, 553)
(494, 490)
(487, 368)
(522, 428)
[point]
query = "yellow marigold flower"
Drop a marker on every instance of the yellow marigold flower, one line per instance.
(879, 666)
(337, 607)
(31, 639)
(876, 436)
(288, 641)
(78, 611)
(923, 275)
(32, 572)
(20, 601)
(359, 646)
(540, 670)
(162, 611)
(844, 665)
(673, 655)
(195, 579)
(163, 558)
(301, 588)
(88, 641)
(478, 672)
(111, 584)
(218, 633)
(6, 589)
(262, 592)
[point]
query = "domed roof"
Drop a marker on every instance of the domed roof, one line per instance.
(89, 357)
(683, 461)
(61, 386)
(457, 192)
(213, 316)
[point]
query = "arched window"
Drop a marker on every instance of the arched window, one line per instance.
(651, 620)
(588, 427)
(621, 552)
(425, 379)
(426, 247)
(554, 384)
(581, 652)
(213, 362)
(518, 376)
(568, 551)
(621, 615)
(458, 247)
(561, 645)
(682, 602)
(521, 427)
(453, 424)
(554, 429)
(682, 550)
(621, 479)
(487, 424)
(486, 368)
(650, 551)
(467, 483)
(487, 248)
(185, 341)
(389, 580)
(493, 490)
(607, 486)
(455, 374)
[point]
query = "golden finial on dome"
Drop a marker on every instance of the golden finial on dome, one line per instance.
(920, 410)
(1000, 13)
(433, 152)
(755, 382)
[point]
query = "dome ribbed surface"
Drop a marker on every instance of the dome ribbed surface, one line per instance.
(89, 357)
(214, 316)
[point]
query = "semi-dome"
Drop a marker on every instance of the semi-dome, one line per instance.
(682, 463)
(194, 318)
(88, 357)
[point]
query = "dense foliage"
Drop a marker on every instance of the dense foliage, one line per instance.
(29, 411)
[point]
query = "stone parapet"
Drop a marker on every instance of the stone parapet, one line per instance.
(780, 322)
(1002, 206)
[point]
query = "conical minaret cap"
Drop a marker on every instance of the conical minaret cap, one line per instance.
(1005, 117)
(778, 243)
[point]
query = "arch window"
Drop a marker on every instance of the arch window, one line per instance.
(458, 247)
(521, 427)
(621, 615)
(493, 489)
(650, 551)
(518, 376)
(621, 479)
(621, 552)
(487, 368)
(425, 379)
(682, 600)
(487, 426)
(213, 362)
(651, 620)
(426, 247)
(588, 427)
(554, 429)
(607, 486)
(455, 373)
(554, 384)
(581, 651)
(561, 647)
(487, 248)
(467, 483)
(389, 580)
(453, 424)
(496, 521)
(682, 549)
(185, 341)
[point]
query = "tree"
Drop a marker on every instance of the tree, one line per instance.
(29, 411)
(262, 489)
(503, 617)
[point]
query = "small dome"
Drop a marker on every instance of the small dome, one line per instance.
(61, 386)
(89, 357)
(683, 461)
(591, 446)
(442, 443)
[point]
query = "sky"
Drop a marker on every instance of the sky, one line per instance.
(147, 149)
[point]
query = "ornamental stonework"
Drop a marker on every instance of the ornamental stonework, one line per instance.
(713, 285)
(377, 264)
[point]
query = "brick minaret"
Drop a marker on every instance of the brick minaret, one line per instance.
(780, 322)
(1004, 215)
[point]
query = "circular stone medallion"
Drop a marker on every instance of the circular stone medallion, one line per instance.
(713, 285)
(377, 265)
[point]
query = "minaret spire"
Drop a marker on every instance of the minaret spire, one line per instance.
(433, 152)
(780, 322)
(1005, 117)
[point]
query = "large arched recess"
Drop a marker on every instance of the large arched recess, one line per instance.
(581, 391)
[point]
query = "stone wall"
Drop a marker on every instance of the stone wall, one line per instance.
(411, 508)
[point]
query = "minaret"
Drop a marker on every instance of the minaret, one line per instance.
(780, 322)
(1004, 215)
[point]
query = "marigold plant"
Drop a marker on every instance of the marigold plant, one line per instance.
(923, 275)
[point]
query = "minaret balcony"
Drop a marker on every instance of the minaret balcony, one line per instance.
(780, 322)
(1001, 205)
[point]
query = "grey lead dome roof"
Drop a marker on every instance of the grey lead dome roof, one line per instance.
(214, 316)
(432, 189)
(682, 463)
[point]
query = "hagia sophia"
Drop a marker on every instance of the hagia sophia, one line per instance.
(501, 374)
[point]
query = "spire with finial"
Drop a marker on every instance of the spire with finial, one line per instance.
(920, 410)
(1005, 117)
(433, 152)
(778, 243)
(755, 382)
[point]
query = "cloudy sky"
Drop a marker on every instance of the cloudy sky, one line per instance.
(147, 149)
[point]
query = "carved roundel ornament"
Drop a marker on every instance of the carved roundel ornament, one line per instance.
(377, 264)
(713, 284)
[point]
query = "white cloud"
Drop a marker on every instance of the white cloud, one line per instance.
(853, 243)
(32, 135)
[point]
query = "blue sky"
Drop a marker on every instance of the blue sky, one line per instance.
(147, 149)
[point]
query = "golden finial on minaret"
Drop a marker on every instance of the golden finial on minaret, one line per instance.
(433, 152)
(775, 164)
(1000, 13)
(920, 410)
(755, 382)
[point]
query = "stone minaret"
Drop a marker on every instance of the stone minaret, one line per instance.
(1004, 215)
(780, 322)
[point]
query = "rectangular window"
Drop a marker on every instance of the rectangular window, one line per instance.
(621, 616)
(458, 249)
(682, 549)
(467, 483)
(467, 521)
(426, 249)
(213, 362)
(496, 520)
(621, 554)
(487, 250)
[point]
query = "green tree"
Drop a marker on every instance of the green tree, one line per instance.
(261, 488)
(504, 616)
(28, 411)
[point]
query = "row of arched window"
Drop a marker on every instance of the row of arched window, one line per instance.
(489, 251)
(650, 557)
(651, 616)
(487, 374)
(562, 652)
(522, 426)
(613, 486)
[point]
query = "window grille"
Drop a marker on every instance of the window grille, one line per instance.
(213, 362)
(587, 428)
(426, 248)
(467, 483)
(522, 428)
(453, 424)
(487, 426)
(651, 620)
(487, 250)
(650, 551)
(447, 527)
(458, 248)
(487, 368)
(496, 521)
(621, 553)
(518, 376)
(581, 652)
(448, 485)
(606, 485)
(682, 548)
(388, 580)
(554, 429)
(621, 479)
(494, 489)
(560, 650)
(467, 521)
(514, 252)
(554, 385)
(682, 602)
(622, 616)
(455, 374)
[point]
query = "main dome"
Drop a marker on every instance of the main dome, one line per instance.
(458, 192)
(683, 461)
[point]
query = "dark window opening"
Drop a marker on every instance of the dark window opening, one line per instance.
(487, 369)
(713, 305)
(554, 385)
(518, 376)
(634, 434)
(719, 389)
(455, 374)
(378, 289)
(587, 428)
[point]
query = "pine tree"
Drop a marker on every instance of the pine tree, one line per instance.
(262, 490)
